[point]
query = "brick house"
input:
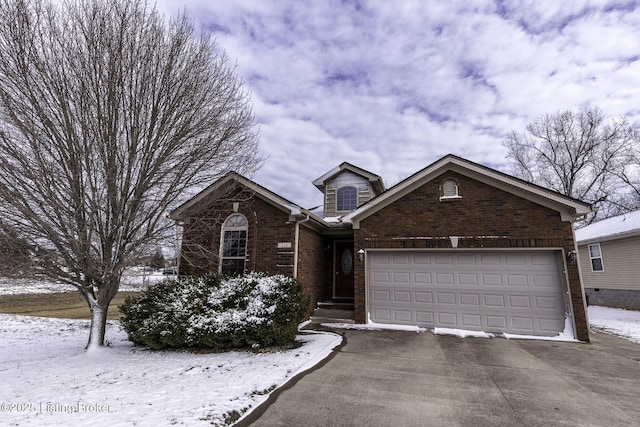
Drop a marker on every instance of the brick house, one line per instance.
(455, 245)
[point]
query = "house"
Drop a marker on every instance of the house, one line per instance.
(455, 245)
(609, 252)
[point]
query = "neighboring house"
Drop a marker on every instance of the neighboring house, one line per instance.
(456, 245)
(609, 252)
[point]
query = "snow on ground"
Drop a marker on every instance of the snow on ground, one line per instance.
(133, 280)
(47, 378)
(616, 321)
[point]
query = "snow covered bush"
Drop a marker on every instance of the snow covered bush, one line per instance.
(252, 311)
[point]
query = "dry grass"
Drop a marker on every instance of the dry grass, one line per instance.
(69, 305)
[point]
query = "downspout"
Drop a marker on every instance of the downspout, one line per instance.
(254, 254)
(296, 245)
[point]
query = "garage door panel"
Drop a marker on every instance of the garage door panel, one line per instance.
(381, 315)
(425, 317)
(541, 260)
(523, 324)
(402, 296)
(401, 277)
(492, 260)
(466, 259)
(381, 277)
(403, 316)
(495, 291)
(546, 303)
(443, 259)
(444, 278)
(379, 259)
(550, 325)
(516, 280)
(491, 280)
(421, 277)
(494, 300)
(519, 301)
(513, 259)
(381, 296)
(400, 260)
(445, 298)
(496, 322)
(447, 319)
(541, 281)
(468, 279)
(470, 299)
(423, 297)
(471, 321)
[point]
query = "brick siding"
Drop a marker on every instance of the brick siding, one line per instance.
(312, 264)
(268, 226)
(484, 217)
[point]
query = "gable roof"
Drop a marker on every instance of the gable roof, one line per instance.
(279, 202)
(568, 207)
(617, 227)
(375, 180)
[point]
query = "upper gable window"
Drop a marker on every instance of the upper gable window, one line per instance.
(347, 199)
(449, 190)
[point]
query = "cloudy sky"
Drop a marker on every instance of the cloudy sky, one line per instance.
(392, 86)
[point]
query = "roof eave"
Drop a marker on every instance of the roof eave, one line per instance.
(286, 206)
(610, 237)
(569, 209)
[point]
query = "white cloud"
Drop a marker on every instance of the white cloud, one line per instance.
(392, 86)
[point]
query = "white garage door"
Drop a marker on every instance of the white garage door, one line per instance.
(518, 292)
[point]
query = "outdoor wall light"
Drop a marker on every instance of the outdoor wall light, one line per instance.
(361, 255)
(572, 256)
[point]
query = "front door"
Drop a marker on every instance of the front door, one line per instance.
(343, 266)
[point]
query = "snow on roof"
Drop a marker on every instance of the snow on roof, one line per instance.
(332, 219)
(615, 227)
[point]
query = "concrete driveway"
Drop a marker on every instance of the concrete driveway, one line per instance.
(392, 378)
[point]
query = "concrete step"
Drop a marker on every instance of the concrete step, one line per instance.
(333, 315)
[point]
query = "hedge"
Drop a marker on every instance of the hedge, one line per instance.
(213, 312)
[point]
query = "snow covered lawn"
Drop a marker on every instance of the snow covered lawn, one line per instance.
(135, 279)
(616, 321)
(46, 377)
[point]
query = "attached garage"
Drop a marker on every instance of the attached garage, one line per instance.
(513, 291)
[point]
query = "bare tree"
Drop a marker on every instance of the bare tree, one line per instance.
(629, 174)
(108, 115)
(576, 154)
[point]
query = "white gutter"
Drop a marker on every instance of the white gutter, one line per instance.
(296, 244)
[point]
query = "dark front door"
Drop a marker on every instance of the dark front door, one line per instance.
(343, 267)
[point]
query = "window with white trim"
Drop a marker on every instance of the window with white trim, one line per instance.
(347, 199)
(595, 255)
(449, 190)
(233, 251)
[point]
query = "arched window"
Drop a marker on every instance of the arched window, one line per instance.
(450, 190)
(347, 199)
(234, 245)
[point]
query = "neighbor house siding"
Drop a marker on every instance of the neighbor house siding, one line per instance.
(619, 272)
(484, 217)
(619, 284)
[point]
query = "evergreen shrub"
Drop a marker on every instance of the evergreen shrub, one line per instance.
(213, 312)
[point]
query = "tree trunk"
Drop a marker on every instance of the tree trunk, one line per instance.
(98, 325)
